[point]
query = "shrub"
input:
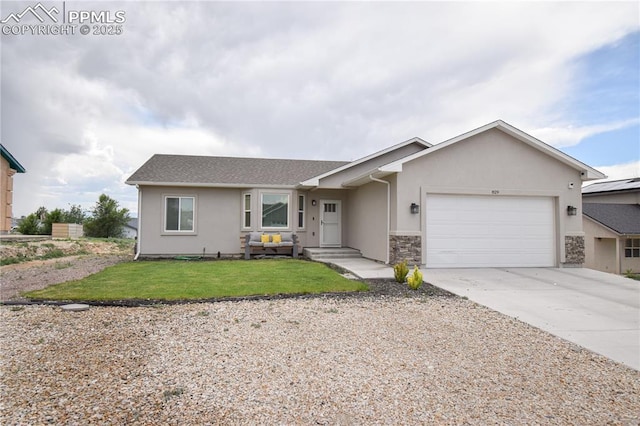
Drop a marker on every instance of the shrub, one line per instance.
(415, 280)
(400, 271)
(30, 225)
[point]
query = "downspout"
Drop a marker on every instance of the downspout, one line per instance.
(388, 212)
(139, 223)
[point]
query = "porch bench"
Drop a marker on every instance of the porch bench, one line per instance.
(265, 243)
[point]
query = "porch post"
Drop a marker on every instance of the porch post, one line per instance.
(388, 213)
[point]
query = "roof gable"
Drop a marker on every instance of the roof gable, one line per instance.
(315, 180)
(623, 219)
(588, 173)
(191, 170)
(13, 163)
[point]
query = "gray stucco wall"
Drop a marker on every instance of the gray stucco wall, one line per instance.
(217, 211)
(311, 236)
(491, 163)
(218, 219)
(367, 220)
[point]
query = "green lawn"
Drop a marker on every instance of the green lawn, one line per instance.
(180, 280)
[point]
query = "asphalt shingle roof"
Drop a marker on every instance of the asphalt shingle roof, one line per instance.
(622, 218)
(181, 169)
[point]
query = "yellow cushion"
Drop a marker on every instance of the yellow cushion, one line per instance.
(277, 239)
(264, 238)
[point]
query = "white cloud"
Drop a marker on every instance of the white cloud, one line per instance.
(619, 171)
(299, 80)
(569, 135)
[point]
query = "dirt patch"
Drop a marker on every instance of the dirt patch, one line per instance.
(44, 263)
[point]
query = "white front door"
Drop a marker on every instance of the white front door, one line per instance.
(330, 227)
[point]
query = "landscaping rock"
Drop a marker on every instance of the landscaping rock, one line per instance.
(75, 307)
(359, 360)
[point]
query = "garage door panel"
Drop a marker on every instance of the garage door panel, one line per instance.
(481, 231)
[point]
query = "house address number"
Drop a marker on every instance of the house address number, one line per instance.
(494, 192)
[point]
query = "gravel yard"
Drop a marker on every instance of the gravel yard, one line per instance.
(390, 356)
(361, 360)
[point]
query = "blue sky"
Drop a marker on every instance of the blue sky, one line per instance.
(608, 90)
(314, 80)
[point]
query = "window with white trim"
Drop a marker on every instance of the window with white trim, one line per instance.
(179, 214)
(246, 210)
(632, 247)
(275, 210)
(301, 212)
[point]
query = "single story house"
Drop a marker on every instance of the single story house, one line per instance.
(492, 197)
(9, 166)
(611, 222)
(131, 228)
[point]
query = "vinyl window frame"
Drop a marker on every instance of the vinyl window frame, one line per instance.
(632, 248)
(302, 214)
(247, 210)
(288, 213)
(165, 211)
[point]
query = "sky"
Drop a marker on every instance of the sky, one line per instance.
(303, 80)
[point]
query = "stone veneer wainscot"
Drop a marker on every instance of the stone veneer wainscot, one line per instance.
(405, 247)
(574, 249)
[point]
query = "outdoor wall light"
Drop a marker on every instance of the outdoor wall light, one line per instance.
(313, 202)
(572, 210)
(415, 208)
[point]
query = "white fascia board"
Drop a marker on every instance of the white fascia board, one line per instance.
(587, 173)
(366, 178)
(315, 181)
(395, 167)
(310, 182)
(592, 174)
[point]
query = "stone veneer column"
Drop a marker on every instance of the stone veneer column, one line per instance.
(574, 250)
(405, 247)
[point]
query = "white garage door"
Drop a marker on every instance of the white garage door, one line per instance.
(482, 231)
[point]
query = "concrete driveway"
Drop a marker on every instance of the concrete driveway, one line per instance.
(596, 310)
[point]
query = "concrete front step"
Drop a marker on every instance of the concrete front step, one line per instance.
(315, 253)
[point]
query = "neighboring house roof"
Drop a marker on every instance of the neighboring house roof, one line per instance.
(613, 186)
(189, 170)
(588, 173)
(133, 223)
(623, 219)
(13, 163)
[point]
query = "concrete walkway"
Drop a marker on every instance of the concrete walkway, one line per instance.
(593, 309)
(362, 268)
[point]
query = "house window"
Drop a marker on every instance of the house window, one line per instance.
(632, 247)
(246, 210)
(300, 211)
(179, 214)
(275, 210)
